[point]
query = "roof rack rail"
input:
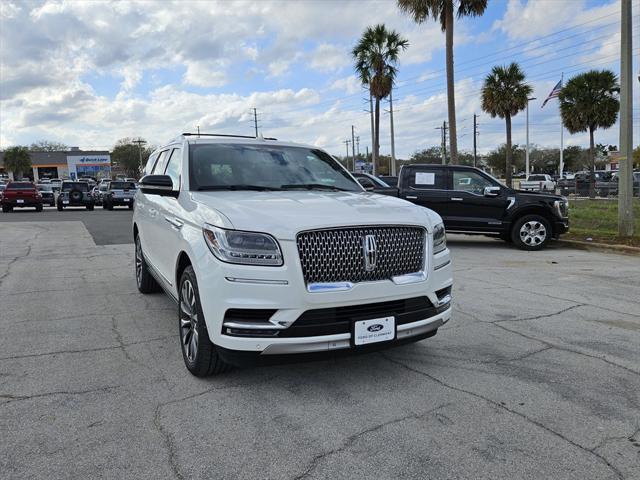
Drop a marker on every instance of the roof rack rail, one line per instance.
(189, 134)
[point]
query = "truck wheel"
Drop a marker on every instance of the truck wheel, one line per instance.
(109, 206)
(131, 206)
(531, 232)
(144, 280)
(90, 207)
(199, 354)
(38, 208)
(60, 207)
(5, 208)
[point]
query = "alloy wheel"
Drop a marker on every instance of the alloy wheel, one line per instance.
(533, 233)
(138, 262)
(188, 320)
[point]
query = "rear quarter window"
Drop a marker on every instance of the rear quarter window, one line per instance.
(427, 179)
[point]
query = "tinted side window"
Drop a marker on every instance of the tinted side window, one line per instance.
(173, 167)
(365, 182)
(428, 179)
(472, 182)
(158, 168)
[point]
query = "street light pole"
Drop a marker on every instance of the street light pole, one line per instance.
(527, 151)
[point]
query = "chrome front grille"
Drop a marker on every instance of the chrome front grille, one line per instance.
(338, 255)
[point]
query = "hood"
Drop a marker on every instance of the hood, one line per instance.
(284, 214)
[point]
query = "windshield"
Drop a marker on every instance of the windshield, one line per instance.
(537, 178)
(44, 187)
(81, 186)
(122, 186)
(249, 167)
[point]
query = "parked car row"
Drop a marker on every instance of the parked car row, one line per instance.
(70, 194)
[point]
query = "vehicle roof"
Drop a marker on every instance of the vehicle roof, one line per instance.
(439, 165)
(195, 139)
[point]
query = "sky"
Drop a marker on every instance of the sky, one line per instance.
(87, 73)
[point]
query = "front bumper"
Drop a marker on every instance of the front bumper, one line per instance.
(282, 289)
(561, 226)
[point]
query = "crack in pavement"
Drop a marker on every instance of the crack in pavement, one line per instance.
(166, 436)
(538, 317)
(351, 439)
(606, 440)
(15, 398)
(507, 409)
(565, 349)
(98, 349)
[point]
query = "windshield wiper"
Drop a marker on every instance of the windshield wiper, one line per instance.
(259, 188)
(312, 186)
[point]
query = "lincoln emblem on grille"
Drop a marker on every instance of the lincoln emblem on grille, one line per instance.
(370, 252)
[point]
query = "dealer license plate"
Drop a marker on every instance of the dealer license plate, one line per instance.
(65, 202)
(374, 330)
(127, 199)
(19, 201)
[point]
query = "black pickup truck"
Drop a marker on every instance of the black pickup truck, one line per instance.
(471, 201)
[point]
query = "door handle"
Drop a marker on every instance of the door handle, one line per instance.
(175, 223)
(456, 199)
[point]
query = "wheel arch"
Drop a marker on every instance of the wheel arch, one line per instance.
(182, 262)
(533, 210)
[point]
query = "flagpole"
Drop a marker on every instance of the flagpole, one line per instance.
(561, 135)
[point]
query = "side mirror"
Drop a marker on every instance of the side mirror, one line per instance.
(158, 185)
(491, 191)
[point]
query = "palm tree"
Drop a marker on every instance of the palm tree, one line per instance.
(376, 56)
(504, 94)
(17, 160)
(443, 10)
(587, 102)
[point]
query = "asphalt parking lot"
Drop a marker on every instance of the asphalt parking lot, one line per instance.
(536, 376)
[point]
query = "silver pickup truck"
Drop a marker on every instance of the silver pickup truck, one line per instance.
(119, 193)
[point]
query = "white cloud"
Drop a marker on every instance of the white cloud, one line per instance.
(350, 84)
(202, 75)
(328, 58)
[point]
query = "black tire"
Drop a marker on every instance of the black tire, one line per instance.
(60, 207)
(199, 353)
(531, 232)
(6, 208)
(38, 208)
(131, 206)
(90, 207)
(144, 280)
(109, 206)
(75, 196)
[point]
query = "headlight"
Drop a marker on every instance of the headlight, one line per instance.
(246, 248)
(439, 238)
(562, 207)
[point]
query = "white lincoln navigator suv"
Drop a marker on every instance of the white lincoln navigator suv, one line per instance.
(273, 248)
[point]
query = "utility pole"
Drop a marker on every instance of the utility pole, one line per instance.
(373, 136)
(475, 134)
(346, 158)
(527, 169)
(140, 142)
(255, 121)
(353, 148)
(393, 143)
(358, 146)
(625, 196)
(443, 145)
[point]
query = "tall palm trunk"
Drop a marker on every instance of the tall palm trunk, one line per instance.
(451, 99)
(508, 161)
(592, 167)
(376, 144)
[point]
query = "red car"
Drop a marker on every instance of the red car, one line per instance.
(20, 194)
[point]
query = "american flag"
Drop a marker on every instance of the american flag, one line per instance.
(554, 93)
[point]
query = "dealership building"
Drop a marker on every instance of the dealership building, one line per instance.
(73, 163)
